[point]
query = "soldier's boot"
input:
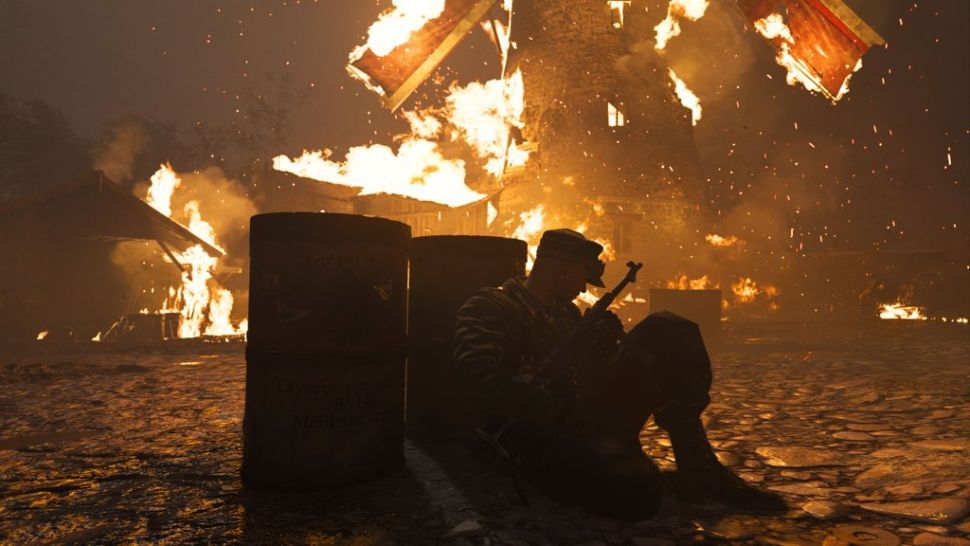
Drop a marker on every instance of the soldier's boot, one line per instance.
(702, 478)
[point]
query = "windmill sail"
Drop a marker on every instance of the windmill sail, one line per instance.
(829, 39)
(396, 75)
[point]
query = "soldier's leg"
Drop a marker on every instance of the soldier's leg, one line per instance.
(600, 473)
(665, 358)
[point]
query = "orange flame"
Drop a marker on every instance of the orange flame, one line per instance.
(201, 311)
(719, 241)
(395, 26)
(773, 27)
(164, 182)
(687, 97)
(900, 311)
(746, 290)
(667, 29)
(479, 114)
(683, 282)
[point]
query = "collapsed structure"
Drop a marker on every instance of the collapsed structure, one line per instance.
(60, 280)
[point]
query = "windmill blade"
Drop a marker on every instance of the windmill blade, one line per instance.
(399, 73)
(828, 39)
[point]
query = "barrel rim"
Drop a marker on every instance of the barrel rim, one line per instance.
(429, 245)
(312, 226)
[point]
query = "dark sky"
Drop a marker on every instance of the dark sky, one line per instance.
(871, 171)
(185, 61)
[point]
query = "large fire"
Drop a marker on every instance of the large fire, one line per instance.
(395, 26)
(479, 115)
(773, 27)
(669, 28)
(691, 10)
(687, 97)
(205, 307)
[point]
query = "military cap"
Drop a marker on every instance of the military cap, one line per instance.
(572, 246)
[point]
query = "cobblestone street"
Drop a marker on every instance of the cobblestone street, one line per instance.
(864, 430)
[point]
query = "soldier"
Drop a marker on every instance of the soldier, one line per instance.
(578, 440)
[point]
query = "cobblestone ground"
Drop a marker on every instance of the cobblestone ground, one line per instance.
(864, 431)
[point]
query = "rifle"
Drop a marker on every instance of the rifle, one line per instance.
(560, 363)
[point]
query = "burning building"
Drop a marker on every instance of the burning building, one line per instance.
(60, 281)
(609, 131)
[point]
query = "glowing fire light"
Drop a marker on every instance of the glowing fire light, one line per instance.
(773, 27)
(686, 96)
(483, 114)
(164, 182)
(691, 10)
(395, 26)
(683, 282)
(43, 335)
(202, 311)
(900, 311)
(479, 114)
(531, 227)
(746, 290)
(722, 242)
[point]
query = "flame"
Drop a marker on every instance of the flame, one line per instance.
(588, 297)
(719, 241)
(900, 311)
(220, 307)
(686, 96)
(483, 114)
(773, 27)
(43, 335)
(530, 228)
(683, 282)
(667, 29)
(201, 311)
(417, 169)
(479, 114)
(746, 290)
(164, 182)
(396, 26)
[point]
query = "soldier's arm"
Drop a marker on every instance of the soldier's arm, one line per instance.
(482, 336)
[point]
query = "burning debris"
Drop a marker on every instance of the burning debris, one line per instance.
(899, 311)
(205, 307)
(820, 46)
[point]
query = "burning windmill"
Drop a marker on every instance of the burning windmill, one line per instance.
(607, 130)
(586, 127)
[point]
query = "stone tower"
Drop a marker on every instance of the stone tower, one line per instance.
(614, 147)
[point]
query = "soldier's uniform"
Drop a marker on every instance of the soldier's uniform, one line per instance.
(579, 443)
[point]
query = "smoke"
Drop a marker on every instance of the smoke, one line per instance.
(117, 157)
(222, 202)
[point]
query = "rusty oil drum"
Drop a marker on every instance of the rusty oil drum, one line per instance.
(326, 347)
(446, 271)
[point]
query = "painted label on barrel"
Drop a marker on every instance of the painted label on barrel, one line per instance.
(324, 425)
(306, 297)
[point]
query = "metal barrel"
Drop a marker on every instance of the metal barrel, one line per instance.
(445, 272)
(325, 357)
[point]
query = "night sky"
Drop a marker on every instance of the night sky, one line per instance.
(885, 168)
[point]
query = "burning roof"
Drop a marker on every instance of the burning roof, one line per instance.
(95, 207)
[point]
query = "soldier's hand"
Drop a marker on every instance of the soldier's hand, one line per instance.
(610, 325)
